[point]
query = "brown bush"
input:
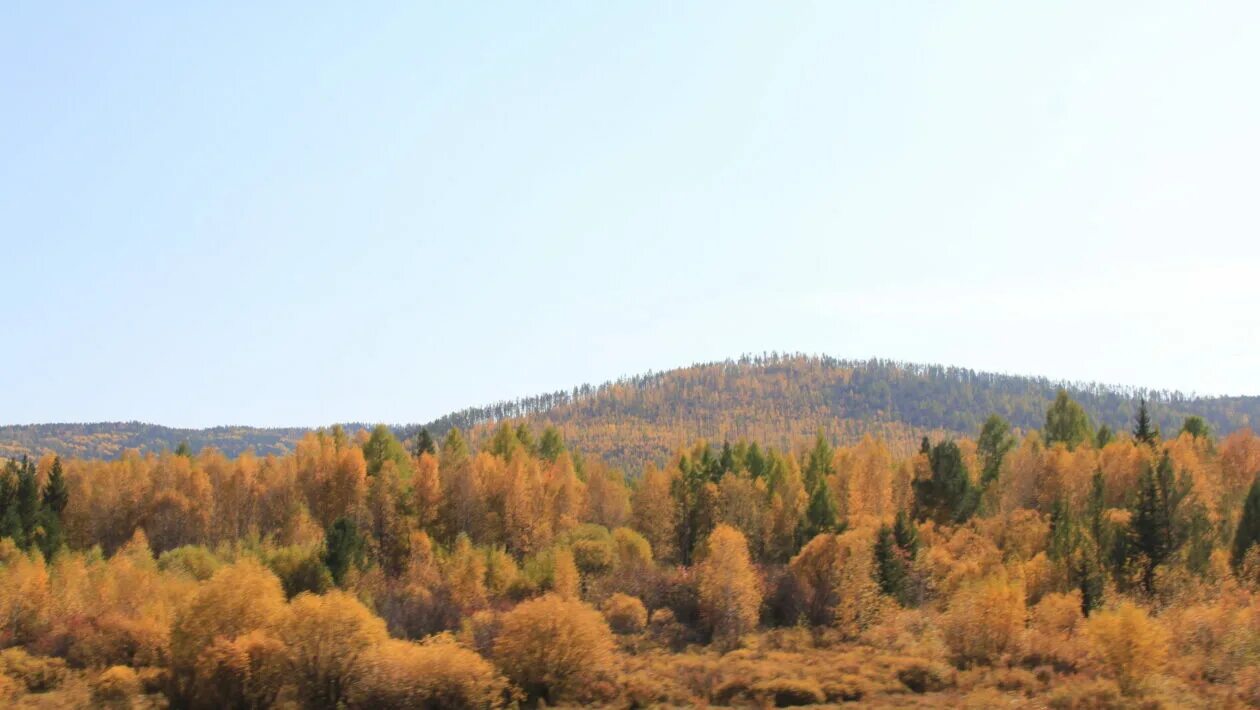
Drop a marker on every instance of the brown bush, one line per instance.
(789, 692)
(246, 672)
(924, 677)
(434, 675)
(625, 614)
(552, 647)
(1087, 694)
(115, 686)
(36, 673)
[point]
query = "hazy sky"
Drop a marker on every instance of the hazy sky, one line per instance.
(296, 215)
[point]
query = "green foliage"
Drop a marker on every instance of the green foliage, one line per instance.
(1152, 522)
(1248, 532)
(56, 495)
(906, 534)
(890, 565)
(425, 443)
(1103, 436)
(947, 496)
(1143, 430)
(300, 570)
(383, 446)
(1062, 531)
(994, 443)
(343, 547)
(1067, 422)
(551, 445)
(1197, 427)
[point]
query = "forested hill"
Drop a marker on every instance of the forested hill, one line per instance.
(778, 399)
(785, 399)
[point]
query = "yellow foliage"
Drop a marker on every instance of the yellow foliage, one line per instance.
(554, 647)
(985, 621)
(625, 614)
(115, 686)
(1127, 645)
(729, 591)
(436, 675)
(326, 637)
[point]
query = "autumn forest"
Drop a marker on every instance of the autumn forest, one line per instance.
(1070, 564)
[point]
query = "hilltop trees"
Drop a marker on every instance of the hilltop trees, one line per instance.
(1067, 422)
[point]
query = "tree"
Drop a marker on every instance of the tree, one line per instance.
(551, 445)
(1128, 644)
(56, 495)
(890, 565)
(729, 593)
(1103, 437)
(184, 449)
(554, 648)
(1197, 427)
(343, 548)
(424, 443)
(382, 446)
(435, 674)
(947, 495)
(1150, 525)
(994, 443)
(1062, 531)
(1143, 431)
(906, 535)
(1248, 532)
(327, 637)
(1066, 422)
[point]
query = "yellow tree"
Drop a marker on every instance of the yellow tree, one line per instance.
(553, 647)
(729, 591)
(327, 637)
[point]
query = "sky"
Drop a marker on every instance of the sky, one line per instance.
(287, 214)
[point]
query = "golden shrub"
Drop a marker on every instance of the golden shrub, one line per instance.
(116, 685)
(1127, 645)
(36, 673)
(1053, 631)
(10, 689)
(436, 675)
(326, 637)
(625, 614)
(551, 647)
(985, 621)
(246, 672)
(729, 591)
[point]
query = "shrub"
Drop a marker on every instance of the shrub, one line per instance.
(922, 677)
(116, 686)
(1094, 694)
(193, 560)
(789, 692)
(36, 673)
(434, 675)
(326, 638)
(10, 689)
(625, 614)
(247, 672)
(985, 621)
(1127, 644)
(551, 647)
(300, 570)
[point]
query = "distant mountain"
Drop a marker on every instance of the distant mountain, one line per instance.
(776, 399)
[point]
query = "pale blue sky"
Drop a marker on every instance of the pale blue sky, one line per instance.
(300, 215)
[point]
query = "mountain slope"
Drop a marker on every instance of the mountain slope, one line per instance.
(775, 399)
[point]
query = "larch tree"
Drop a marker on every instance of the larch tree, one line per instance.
(729, 591)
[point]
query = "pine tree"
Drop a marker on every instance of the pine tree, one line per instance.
(56, 495)
(1150, 526)
(1143, 431)
(890, 565)
(1062, 532)
(184, 449)
(906, 534)
(1103, 437)
(1096, 507)
(1248, 533)
(1090, 578)
(1197, 427)
(425, 443)
(947, 496)
(821, 515)
(28, 501)
(343, 547)
(994, 443)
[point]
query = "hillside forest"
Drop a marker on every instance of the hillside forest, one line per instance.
(1062, 565)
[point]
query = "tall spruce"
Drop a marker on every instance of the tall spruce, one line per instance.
(947, 496)
(424, 443)
(890, 565)
(1248, 533)
(1143, 431)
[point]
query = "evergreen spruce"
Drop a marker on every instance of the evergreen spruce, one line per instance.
(1248, 533)
(425, 443)
(1143, 431)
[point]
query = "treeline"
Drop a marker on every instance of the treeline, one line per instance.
(776, 399)
(365, 571)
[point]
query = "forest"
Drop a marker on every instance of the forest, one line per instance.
(1078, 562)
(772, 398)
